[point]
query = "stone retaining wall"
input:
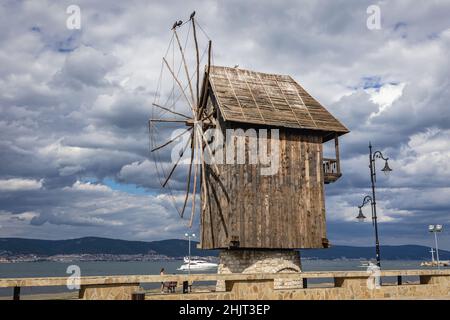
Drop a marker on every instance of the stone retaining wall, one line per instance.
(433, 287)
(433, 284)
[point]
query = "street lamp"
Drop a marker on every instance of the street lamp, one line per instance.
(386, 168)
(189, 236)
(373, 178)
(361, 217)
(435, 228)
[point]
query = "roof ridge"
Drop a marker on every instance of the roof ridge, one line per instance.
(260, 98)
(248, 70)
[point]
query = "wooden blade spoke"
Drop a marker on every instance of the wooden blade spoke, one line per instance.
(208, 148)
(185, 66)
(188, 185)
(181, 87)
(176, 164)
(198, 59)
(174, 112)
(203, 189)
(167, 120)
(203, 101)
(195, 185)
(171, 140)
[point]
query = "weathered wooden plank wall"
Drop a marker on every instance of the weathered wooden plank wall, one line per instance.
(284, 210)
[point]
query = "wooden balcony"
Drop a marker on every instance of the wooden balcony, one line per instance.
(331, 170)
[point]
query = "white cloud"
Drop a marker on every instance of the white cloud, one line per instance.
(385, 95)
(90, 187)
(18, 184)
(24, 216)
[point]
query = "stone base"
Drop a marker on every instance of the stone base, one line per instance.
(260, 261)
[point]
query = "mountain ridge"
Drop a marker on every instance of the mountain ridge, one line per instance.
(179, 248)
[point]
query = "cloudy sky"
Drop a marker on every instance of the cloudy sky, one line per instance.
(74, 104)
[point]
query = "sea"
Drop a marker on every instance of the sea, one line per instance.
(102, 268)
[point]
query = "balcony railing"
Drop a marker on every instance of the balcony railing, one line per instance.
(331, 170)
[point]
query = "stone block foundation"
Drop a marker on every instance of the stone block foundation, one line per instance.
(260, 261)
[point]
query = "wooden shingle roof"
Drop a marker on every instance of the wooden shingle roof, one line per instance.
(269, 99)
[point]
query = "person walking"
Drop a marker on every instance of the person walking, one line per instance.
(161, 273)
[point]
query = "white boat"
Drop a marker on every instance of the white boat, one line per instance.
(364, 264)
(197, 265)
(435, 264)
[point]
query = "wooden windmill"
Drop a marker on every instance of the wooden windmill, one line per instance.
(240, 207)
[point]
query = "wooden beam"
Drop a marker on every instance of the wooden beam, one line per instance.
(171, 111)
(336, 147)
(188, 185)
(167, 120)
(194, 190)
(205, 123)
(176, 164)
(206, 81)
(209, 149)
(172, 140)
(181, 87)
(198, 60)
(185, 67)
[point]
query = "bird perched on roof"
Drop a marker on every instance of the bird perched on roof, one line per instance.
(192, 15)
(177, 24)
(236, 66)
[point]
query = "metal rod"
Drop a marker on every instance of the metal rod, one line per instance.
(374, 204)
(305, 283)
(432, 256)
(16, 293)
(189, 265)
(437, 249)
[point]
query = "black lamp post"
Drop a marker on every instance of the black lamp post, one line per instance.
(373, 178)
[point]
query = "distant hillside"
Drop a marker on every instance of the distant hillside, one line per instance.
(402, 252)
(179, 248)
(94, 245)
